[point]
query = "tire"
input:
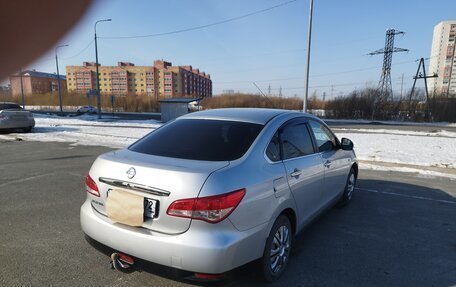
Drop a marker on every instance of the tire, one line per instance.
(349, 188)
(279, 243)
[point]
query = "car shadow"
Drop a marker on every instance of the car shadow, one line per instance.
(405, 236)
(53, 129)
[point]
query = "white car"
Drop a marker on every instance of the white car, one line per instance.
(87, 110)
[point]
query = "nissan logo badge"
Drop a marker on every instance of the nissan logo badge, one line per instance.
(131, 172)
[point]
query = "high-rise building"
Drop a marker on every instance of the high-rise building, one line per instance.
(442, 60)
(162, 80)
(32, 82)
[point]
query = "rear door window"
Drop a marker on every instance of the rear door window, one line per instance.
(210, 140)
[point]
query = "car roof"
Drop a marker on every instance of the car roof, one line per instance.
(252, 115)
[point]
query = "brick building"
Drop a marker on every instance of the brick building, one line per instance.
(162, 80)
(34, 82)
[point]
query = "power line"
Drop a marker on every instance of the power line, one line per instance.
(67, 58)
(325, 86)
(203, 26)
(80, 52)
(318, 75)
(259, 81)
(250, 56)
(359, 70)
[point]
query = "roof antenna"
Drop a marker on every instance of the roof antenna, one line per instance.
(272, 104)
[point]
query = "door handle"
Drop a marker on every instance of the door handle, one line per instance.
(296, 173)
(327, 164)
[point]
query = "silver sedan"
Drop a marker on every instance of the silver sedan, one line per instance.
(13, 117)
(216, 189)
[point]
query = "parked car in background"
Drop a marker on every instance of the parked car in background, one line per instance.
(216, 189)
(87, 110)
(13, 117)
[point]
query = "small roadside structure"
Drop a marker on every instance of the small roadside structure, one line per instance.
(176, 107)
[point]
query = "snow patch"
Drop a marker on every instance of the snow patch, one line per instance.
(407, 148)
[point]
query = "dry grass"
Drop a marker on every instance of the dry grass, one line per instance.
(358, 104)
(257, 101)
(144, 103)
(129, 103)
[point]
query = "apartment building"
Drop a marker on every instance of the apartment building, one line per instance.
(32, 82)
(162, 80)
(442, 60)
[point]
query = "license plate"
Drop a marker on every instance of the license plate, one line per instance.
(150, 208)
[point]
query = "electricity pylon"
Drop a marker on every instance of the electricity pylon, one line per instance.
(384, 85)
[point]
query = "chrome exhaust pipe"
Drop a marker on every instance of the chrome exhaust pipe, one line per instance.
(118, 263)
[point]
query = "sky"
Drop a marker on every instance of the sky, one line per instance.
(267, 48)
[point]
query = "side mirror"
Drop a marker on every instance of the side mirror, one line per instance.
(346, 144)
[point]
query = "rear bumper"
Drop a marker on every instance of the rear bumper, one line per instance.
(204, 248)
(13, 124)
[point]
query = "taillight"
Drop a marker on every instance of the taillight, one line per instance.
(211, 209)
(91, 186)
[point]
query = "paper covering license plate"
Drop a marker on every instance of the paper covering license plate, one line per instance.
(150, 208)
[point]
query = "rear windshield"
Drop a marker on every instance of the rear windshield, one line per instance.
(210, 140)
(10, 107)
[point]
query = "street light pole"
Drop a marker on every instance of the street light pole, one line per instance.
(96, 67)
(58, 75)
(309, 38)
(22, 90)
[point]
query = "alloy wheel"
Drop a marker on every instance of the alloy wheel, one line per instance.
(280, 248)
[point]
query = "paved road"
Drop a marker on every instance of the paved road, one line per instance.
(400, 230)
(377, 126)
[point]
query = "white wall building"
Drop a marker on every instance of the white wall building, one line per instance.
(442, 60)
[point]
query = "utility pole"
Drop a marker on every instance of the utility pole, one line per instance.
(324, 96)
(269, 89)
(332, 91)
(280, 91)
(309, 39)
(384, 84)
(58, 75)
(22, 90)
(423, 75)
(96, 64)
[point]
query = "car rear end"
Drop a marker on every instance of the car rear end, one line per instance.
(12, 116)
(166, 171)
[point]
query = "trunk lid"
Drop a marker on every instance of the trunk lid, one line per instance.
(158, 178)
(17, 115)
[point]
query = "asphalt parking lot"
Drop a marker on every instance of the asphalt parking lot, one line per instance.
(399, 230)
